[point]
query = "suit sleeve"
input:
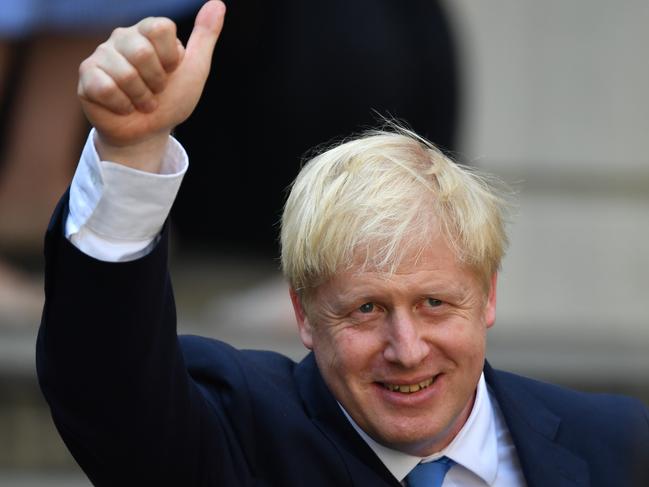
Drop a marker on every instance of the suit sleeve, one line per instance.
(111, 369)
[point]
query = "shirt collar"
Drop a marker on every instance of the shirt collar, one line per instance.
(475, 447)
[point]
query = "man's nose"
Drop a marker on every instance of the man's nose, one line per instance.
(406, 345)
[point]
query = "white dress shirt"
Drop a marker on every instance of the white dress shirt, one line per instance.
(116, 214)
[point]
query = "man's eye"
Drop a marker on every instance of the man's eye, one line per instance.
(433, 303)
(366, 308)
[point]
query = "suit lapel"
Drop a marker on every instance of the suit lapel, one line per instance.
(363, 465)
(534, 430)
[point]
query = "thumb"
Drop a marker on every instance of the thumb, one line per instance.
(200, 46)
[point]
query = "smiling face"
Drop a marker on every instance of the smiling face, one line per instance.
(402, 352)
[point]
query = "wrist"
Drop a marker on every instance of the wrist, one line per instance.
(145, 155)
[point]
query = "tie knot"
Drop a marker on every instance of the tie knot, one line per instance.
(430, 474)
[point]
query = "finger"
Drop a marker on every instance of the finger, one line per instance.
(141, 54)
(126, 77)
(181, 50)
(98, 87)
(200, 46)
(161, 33)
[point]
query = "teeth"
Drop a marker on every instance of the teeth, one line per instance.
(409, 388)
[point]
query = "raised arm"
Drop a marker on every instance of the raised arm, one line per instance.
(108, 358)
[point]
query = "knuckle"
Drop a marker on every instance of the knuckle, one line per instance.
(118, 32)
(100, 88)
(161, 26)
(145, 22)
(140, 52)
(128, 77)
(102, 50)
(85, 66)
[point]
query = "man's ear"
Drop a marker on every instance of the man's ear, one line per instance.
(303, 323)
(490, 308)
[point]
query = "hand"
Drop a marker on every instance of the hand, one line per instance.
(141, 83)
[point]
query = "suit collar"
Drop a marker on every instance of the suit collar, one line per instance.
(534, 429)
(363, 465)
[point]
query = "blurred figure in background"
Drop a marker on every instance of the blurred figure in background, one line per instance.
(298, 74)
(42, 129)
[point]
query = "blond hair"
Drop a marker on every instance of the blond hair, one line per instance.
(374, 200)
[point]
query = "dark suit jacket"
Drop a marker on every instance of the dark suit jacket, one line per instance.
(136, 405)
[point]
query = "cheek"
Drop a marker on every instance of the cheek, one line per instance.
(475, 348)
(465, 338)
(348, 352)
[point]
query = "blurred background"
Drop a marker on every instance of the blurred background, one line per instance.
(549, 96)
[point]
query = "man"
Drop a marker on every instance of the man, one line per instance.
(391, 252)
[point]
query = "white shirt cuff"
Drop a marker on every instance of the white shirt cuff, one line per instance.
(117, 212)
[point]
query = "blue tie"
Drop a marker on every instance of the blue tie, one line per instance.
(429, 474)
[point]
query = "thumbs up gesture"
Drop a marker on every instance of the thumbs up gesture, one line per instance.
(141, 83)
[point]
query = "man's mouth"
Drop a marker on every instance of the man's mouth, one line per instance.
(409, 388)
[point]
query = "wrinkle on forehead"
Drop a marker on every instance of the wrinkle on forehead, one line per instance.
(433, 271)
(420, 253)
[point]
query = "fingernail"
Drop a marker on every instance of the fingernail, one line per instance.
(149, 105)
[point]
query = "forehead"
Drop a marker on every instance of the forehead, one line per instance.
(433, 268)
(428, 250)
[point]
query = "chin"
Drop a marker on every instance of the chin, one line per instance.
(411, 437)
(418, 433)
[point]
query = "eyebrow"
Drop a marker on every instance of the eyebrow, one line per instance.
(369, 292)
